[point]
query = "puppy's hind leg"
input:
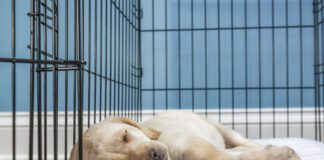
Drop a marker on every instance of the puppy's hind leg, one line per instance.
(245, 149)
(200, 149)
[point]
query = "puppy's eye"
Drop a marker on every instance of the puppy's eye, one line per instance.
(125, 136)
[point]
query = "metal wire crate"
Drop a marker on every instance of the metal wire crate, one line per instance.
(256, 65)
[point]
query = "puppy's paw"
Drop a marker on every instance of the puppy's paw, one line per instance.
(280, 153)
(270, 152)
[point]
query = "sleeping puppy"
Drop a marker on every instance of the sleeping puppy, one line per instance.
(172, 135)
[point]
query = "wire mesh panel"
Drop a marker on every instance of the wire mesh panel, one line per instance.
(65, 65)
(248, 63)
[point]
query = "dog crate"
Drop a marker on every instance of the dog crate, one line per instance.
(255, 65)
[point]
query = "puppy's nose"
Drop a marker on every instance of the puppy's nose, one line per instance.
(157, 151)
(154, 155)
(158, 154)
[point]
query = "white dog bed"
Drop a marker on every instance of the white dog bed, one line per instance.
(306, 149)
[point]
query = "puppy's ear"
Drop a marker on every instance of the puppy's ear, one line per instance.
(151, 133)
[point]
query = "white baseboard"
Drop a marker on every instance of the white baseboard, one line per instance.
(239, 116)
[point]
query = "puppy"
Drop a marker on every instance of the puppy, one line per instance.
(172, 135)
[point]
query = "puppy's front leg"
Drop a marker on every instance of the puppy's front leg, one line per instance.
(200, 149)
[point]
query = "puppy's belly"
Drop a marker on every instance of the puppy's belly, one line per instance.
(177, 127)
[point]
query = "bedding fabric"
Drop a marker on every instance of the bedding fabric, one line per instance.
(306, 149)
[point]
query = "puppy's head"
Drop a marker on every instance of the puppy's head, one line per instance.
(121, 139)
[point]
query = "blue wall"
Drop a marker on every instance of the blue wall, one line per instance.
(300, 62)
(263, 83)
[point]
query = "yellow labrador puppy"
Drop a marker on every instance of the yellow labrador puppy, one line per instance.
(173, 135)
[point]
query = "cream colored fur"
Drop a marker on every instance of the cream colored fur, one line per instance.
(180, 135)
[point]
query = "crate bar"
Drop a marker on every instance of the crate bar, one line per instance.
(136, 47)
(132, 62)
(126, 113)
(287, 68)
(232, 64)
(13, 76)
(129, 105)
(115, 57)
(179, 52)
(55, 78)
(100, 70)
(301, 70)
(316, 61)
(319, 67)
(95, 61)
(322, 52)
(118, 62)
(136, 42)
(206, 62)
(122, 63)
(128, 70)
(106, 54)
(139, 59)
(125, 60)
(124, 52)
(229, 88)
(219, 61)
(39, 82)
(130, 45)
(132, 100)
(259, 69)
(32, 61)
(128, 8)
(192, 58)
(74, 81)
(166, 52)
(120, 59)
(273, 71)
(153, 57)
(133, 11)
(137, 10)
(82, 54)
(129, 98)
(133, 37)
(79, 79)
(31, 80)
(246, 71)
(45, 83)
(320, 72)
(66, 78)
(225, 28)
(110, 55)
(89, 59)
